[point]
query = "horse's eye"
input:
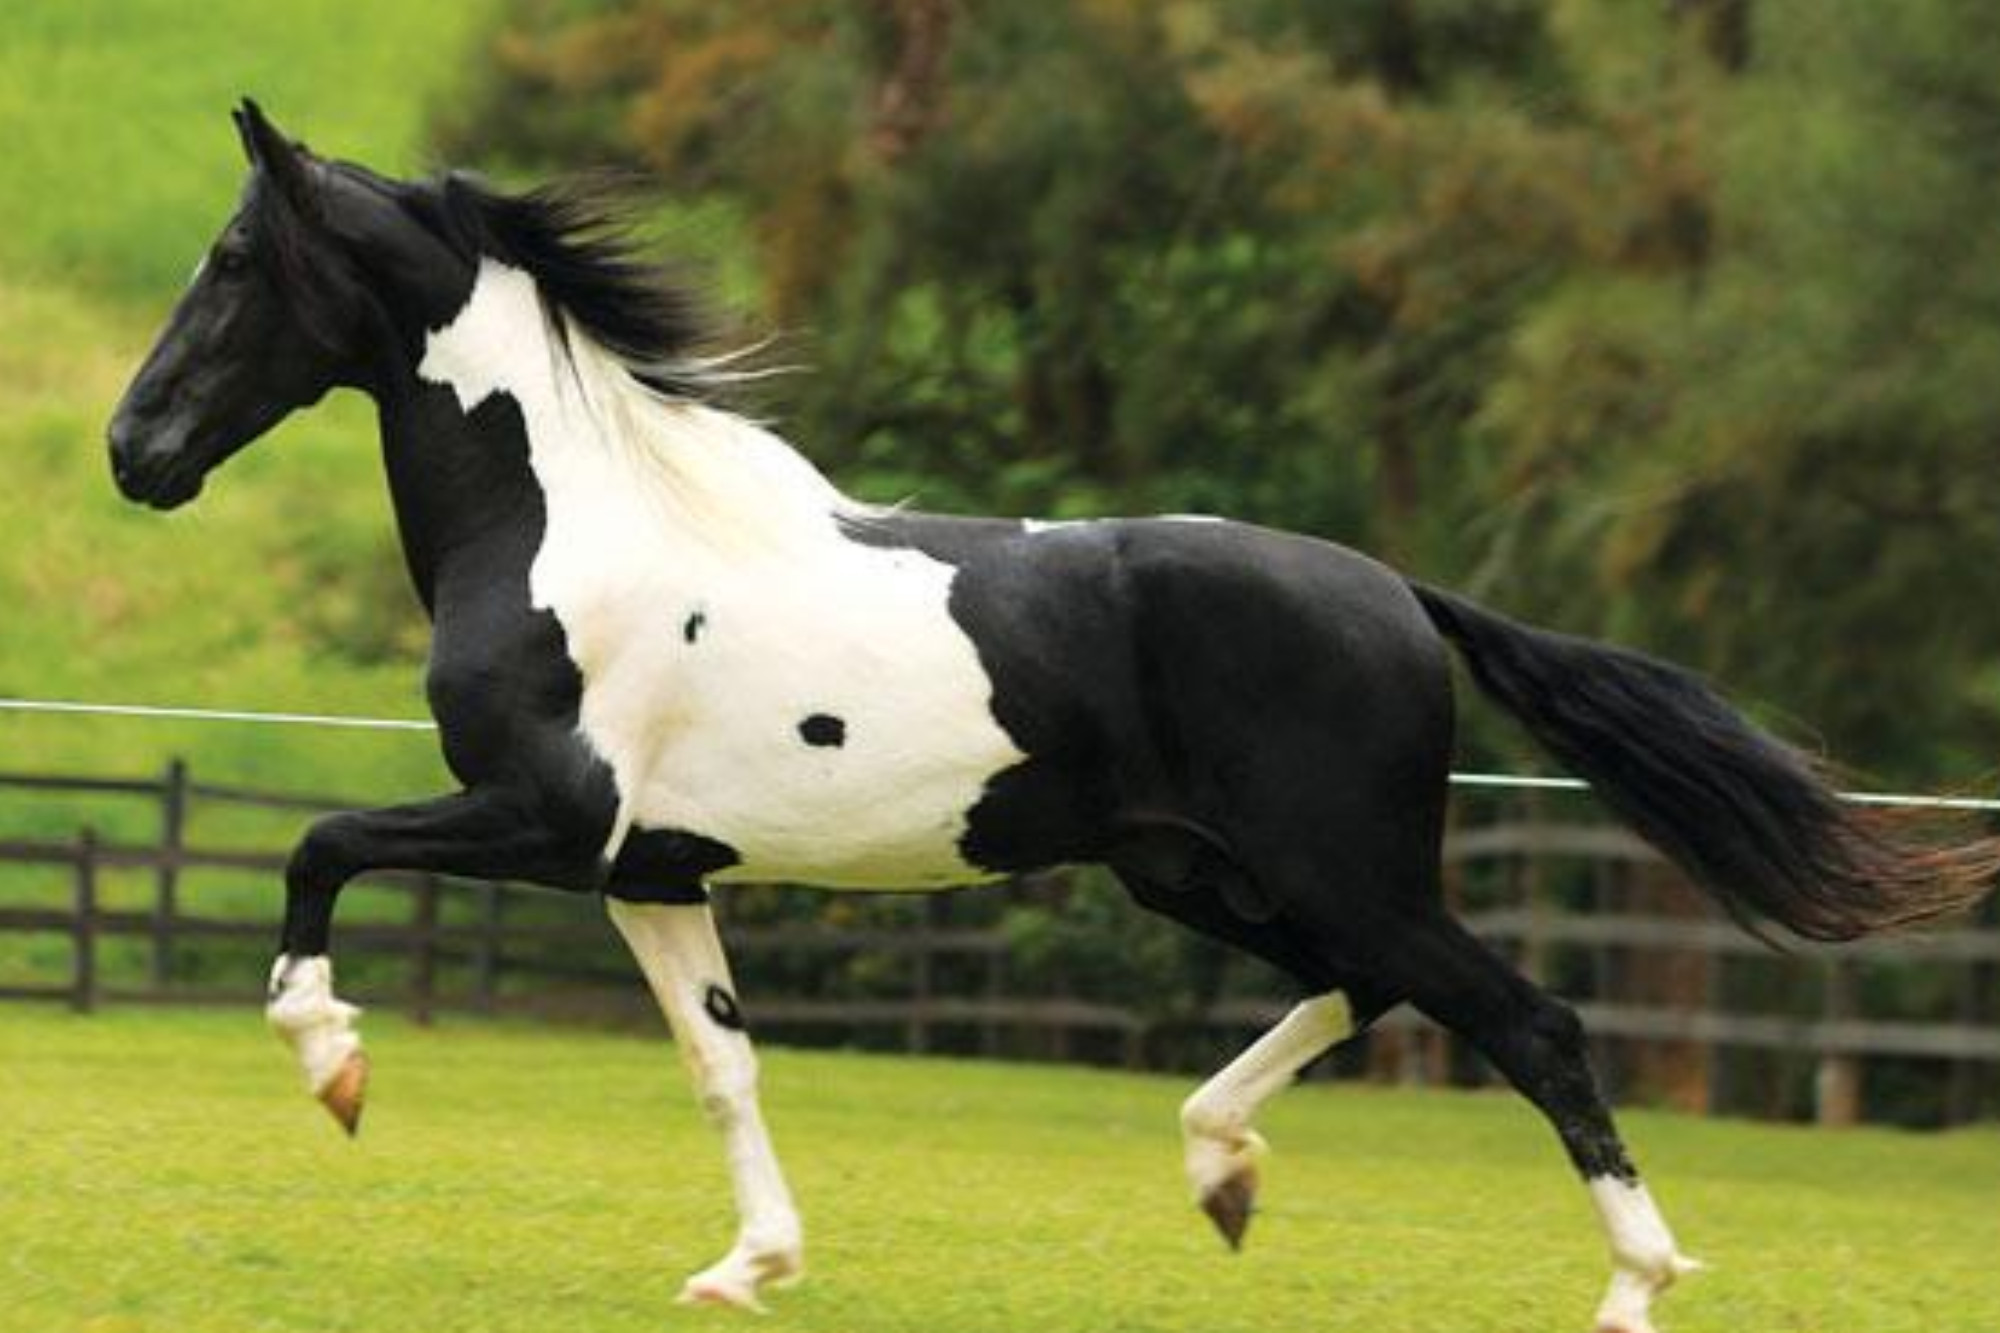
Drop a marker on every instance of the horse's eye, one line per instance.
(231, 261)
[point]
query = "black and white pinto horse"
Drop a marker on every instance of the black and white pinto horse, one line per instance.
(668, 653)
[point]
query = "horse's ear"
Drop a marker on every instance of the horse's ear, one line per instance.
(270, 152)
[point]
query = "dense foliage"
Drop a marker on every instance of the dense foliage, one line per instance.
(1672, 321)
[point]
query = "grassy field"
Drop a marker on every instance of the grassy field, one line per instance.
(162, 1172)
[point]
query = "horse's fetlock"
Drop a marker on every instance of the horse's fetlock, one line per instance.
(1656, 1263)
(726, 1104)
(1203, 1117)
(778, 1237)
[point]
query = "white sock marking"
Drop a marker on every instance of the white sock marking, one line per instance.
(304, 1013)
(1644, 1258)
(1215, 1121)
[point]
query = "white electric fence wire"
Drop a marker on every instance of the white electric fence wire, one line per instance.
(1492, 781)
(214, 715)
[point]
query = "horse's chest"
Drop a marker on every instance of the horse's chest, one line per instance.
(826, 718)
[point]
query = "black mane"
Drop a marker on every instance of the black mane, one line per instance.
(577, 240)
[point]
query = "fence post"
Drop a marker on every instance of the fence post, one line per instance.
(1719, 1090)
(166, 905)
(486, 961)
(1837, 1081)
(1965, 1092)
(917, 1032)
(994, 976)
(423, 959)
(83, 998)
(1529, 871)
(1132, 1046)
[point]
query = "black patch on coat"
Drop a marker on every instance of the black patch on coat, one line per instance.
(696, 622)
(721, 1006)
(667, 866)
(1195, 702)
(823, 731)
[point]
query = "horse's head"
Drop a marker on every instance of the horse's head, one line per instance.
(287, 304)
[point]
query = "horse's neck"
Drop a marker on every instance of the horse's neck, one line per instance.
(533, 424)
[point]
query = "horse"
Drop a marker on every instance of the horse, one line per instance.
(669, 654)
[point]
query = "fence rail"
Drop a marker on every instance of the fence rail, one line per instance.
(481, 947)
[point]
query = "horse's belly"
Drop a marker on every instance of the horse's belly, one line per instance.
(875, 811)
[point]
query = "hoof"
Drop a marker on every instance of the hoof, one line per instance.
(1230, 1205)
(715, 1291)
(343, 1093)
(1628, 1306)
(737, 1279)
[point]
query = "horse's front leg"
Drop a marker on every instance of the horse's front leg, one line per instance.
(475, 833)
(683, 961)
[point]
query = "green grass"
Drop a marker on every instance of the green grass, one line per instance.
(163, 1172)
(120, 164)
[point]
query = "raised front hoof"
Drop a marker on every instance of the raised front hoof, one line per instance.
(1231, 1204)
(345, 1091)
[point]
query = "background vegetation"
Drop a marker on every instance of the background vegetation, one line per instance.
(1667, 320)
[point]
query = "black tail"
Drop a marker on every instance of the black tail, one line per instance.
(1751, 819)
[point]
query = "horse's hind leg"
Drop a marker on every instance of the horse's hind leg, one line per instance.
(1538, 1044)
(1221, 1148)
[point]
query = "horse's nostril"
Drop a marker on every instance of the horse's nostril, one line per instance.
(118, 438)
(123, 441)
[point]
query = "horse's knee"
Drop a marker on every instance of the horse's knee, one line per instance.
(322, 861)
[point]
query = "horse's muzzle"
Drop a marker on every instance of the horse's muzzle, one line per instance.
(151, 463)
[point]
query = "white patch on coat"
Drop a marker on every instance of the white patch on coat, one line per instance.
(658, 509)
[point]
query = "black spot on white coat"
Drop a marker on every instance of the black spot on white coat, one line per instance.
(721, 1007)
(823, 731)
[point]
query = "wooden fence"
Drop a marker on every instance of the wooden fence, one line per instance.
(1585, 908)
